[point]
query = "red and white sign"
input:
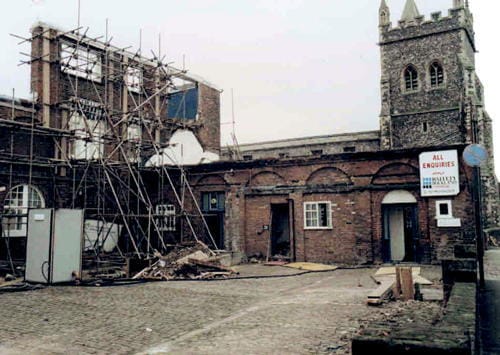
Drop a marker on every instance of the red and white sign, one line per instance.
(439, 173)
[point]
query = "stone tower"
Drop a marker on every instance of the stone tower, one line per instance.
(431, 94)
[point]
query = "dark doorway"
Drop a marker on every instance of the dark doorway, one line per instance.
(280, 230)
(400, 238)
(213, 210)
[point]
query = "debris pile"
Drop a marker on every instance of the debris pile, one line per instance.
(195, 263)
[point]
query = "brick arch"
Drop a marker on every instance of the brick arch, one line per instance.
(329, 176)
(211, 180)
(266, 178)
(396, 173)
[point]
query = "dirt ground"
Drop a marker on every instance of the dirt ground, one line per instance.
(269, 310)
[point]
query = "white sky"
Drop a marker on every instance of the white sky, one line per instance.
(297, 67)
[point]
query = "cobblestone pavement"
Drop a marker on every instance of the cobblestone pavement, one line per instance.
(308, 313)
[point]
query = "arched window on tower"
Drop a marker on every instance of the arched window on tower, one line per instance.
(437, 74)
(411, 78)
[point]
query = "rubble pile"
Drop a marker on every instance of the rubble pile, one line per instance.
(194, 263)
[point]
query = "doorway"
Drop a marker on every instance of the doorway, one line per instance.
(213, 208)
(400, 242)
(280, 230)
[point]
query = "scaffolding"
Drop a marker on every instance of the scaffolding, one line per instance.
(110, 119)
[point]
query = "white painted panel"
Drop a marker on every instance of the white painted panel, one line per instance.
(67, 244)
(38, 246)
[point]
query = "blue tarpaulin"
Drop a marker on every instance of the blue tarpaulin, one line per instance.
(183, 105)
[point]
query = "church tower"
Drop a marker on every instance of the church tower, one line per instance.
(431, 95)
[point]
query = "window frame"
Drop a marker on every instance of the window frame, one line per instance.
(75, 60)
(21, 210)
(165, 217)
(329, 218)
(134, 78)
(434, 74)
(439, 215)
(410, 68)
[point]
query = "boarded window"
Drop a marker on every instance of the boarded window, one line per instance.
(317, 215)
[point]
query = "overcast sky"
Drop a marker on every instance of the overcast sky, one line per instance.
(297, 67)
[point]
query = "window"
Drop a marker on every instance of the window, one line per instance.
(81, 62)
(317, 215)
(317, 152)
(133, 79)
(436, 74)
(17, 202)
(89, 142)
(165, 218)
(443, 209)
(349, 149)
(213, 201)
(425, 127)
(134, 132)
(247, 157)
(411, 78)
(134, 137)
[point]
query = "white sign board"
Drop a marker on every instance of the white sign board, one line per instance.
(439, 173)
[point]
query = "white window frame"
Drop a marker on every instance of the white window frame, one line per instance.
(19, 204)
(165, 220)
(313, 207)
(134, 79)
(438, 210)
(81, 62)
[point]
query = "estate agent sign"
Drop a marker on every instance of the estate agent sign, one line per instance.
(439, 173)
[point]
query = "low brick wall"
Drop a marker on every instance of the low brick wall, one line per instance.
(454, 334)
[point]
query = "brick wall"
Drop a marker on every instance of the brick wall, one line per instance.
(355, 185)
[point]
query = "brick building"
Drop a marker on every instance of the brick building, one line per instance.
(356, 197)
(124, 137)
(101, 119)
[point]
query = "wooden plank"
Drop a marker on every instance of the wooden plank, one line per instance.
(407, 287)
(397, 285)
(381, 293)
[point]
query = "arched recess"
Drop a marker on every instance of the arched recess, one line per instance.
(329, 176)
(266, 178)
(398, 197)
(211, 181)
(396, 173)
